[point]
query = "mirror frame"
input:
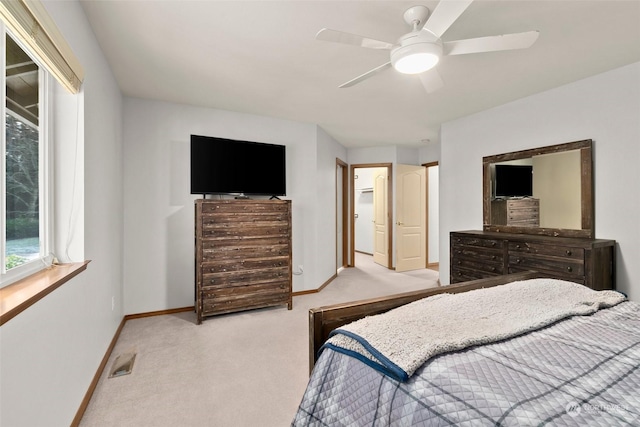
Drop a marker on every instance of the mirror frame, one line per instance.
(587, 196)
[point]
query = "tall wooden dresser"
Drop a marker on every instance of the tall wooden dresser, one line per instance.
(481, 254)
(243, 255)
(516, 212)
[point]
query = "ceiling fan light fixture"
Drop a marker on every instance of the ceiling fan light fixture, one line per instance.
(416, 63)
(416, 58)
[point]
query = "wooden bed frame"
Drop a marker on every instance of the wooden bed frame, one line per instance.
(323, 320)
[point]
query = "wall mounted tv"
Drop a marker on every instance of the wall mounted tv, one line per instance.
(514, 181)
(228, 166)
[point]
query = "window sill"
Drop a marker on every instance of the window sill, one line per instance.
(19, 296)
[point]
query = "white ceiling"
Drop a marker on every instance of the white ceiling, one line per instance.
(261, 57)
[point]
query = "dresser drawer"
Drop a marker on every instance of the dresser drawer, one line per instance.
(248, 297)
(564, 252)
(248, 291)
(522, 215)
(479, 265)
(459, 274)
(234, 244)
(523, 204)
(564, 267)
(246, 217)
(244, 252)
(245, 263)
(550, 274)
(253, 230)
(478, 254)
(239, 206)
(245, 277)
(457, 240)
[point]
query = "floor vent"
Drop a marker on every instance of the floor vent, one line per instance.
(122, 365)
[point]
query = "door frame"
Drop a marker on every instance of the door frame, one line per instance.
(342, 217)
(352, 194)
(428, 165)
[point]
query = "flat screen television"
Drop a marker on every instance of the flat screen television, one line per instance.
(514, 181)
(229, 166)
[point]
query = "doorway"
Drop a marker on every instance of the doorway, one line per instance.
(375, 192)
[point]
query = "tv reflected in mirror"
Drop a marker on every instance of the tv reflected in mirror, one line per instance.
(514, 181)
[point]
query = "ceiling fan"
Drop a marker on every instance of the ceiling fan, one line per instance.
(418, 51)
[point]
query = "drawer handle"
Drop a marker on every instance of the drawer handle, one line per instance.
(493, 258)
(493, 243)
(493, 269)
(517, 246)
(569, 269)
(518, 261)
(459, 273)
(459, 262)
(568, 253)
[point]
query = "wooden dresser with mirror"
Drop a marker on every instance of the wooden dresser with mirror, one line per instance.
(553, 231)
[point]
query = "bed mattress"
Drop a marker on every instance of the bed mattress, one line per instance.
(580, 371)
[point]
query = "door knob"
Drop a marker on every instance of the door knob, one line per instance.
(400, 223)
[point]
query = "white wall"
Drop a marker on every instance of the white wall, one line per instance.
(429, 153)
(323, 259)
(159, 227)
(604, 108)
(50, 352)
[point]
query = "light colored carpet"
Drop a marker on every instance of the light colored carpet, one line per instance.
(242, 369)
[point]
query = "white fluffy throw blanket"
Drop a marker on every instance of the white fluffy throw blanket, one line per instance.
(400, 341)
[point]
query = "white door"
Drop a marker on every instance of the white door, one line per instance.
(411, 207)
(380, 217)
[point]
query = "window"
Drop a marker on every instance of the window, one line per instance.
(33, 52)
(25, 214)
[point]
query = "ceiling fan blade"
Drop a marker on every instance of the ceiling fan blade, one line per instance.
(491, 43)
(366, 75)
(445, 14)
(353, 39)
(431, 80)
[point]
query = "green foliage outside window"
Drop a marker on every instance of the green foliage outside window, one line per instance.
(14, 261)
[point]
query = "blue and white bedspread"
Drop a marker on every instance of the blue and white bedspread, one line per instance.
(401, 340)
(581, 371)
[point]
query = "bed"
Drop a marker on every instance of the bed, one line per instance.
(574, 369)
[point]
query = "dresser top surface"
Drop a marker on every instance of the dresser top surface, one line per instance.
(240, 201)
(566, 241)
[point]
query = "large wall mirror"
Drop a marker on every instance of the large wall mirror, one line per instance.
(546, 191)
